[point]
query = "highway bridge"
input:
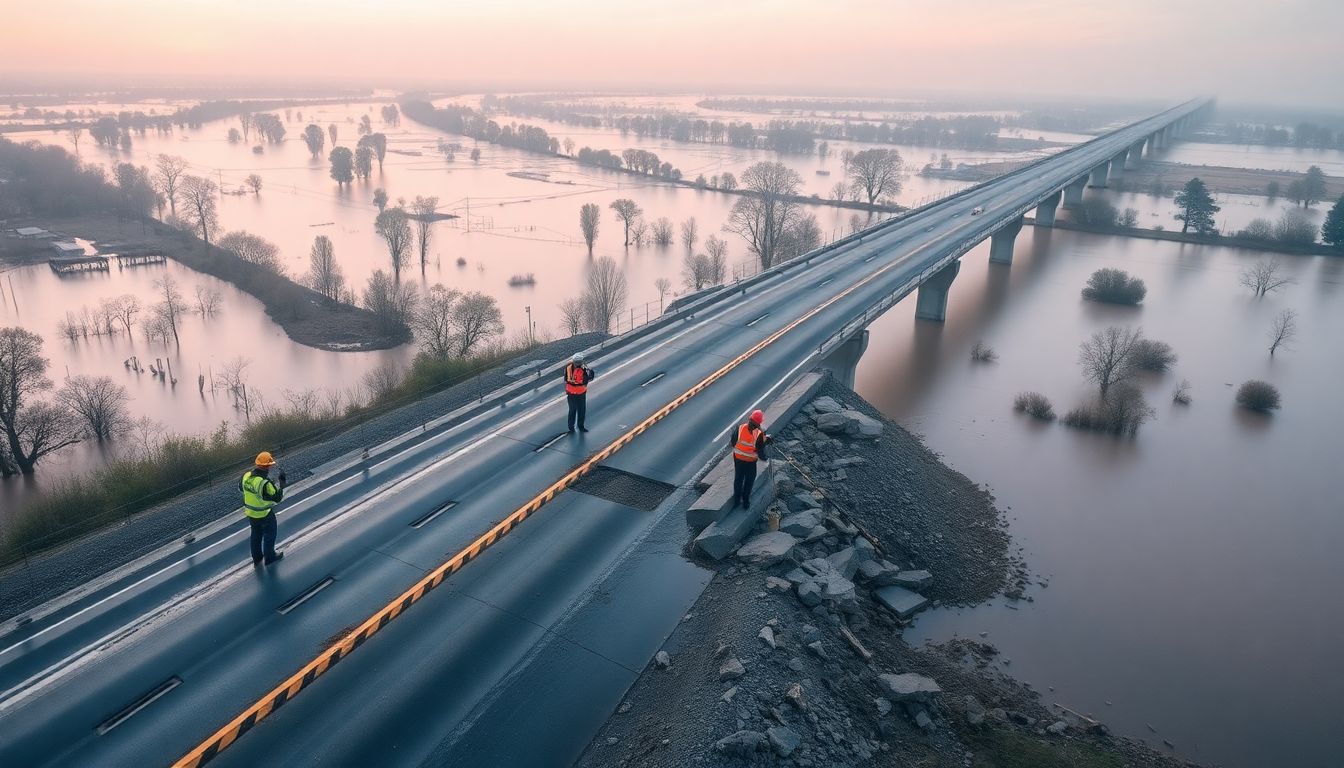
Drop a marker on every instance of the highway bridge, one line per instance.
(483, 591)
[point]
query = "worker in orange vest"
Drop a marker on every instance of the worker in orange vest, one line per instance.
(577, 376)
(748, 443)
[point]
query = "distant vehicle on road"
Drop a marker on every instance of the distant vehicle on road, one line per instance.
(977, 210)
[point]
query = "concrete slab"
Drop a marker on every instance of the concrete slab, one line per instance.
(901, 600)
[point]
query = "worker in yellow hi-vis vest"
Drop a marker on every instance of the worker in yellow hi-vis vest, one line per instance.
(260, 495)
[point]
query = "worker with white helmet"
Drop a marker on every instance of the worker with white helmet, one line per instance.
(577, 377)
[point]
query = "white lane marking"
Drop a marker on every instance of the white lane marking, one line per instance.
(655, 378)
(415, 474)
(757, 320)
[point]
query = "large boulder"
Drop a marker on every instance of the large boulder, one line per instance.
(801, 501)
(913, 579)
(800, 524)
(909, 686)
(845, 562)
(743, 743)
(766, 549)
(719, 539)
(850, 423)
(783, 740)
(825, 404)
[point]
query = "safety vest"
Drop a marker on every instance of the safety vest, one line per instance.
(253, 504)
(746, 444)
(575, 383)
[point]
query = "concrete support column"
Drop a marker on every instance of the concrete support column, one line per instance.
(1135, 154)
(1118, 164)
(1001, 242)
(1073, 194)
(1099, 175)
(1045, 212)
(931, 303)
(1154, 143)
(844, 359)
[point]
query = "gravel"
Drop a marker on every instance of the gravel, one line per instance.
(29, 584)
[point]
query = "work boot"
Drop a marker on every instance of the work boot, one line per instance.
(278, 557)
(583, 429)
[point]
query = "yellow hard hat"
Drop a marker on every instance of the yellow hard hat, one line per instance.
(264, 459)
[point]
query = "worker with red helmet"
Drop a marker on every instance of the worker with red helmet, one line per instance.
(260, 495)
(748, 444)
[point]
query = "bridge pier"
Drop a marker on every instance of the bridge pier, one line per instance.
(1073, 193)
(931, 302)
(1001, 242)
(1118, 164)
(1099, 175)
(844, 359)
(1045, 212)
(1135, 154)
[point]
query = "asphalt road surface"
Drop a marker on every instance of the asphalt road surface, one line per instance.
(520, 655)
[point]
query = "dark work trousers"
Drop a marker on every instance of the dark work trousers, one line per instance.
(744, 476)
(263, 537)
(578, 406)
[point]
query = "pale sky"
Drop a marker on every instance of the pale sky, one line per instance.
(1264, 50)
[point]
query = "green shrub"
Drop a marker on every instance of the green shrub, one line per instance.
(1114, 286)
(1258, 395)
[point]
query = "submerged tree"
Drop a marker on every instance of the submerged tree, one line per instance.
(1196, 207)
(424, 209)
(1312, 189)
(315, 139)
(1283, 329)
(1332, 231)
(99, 403)
(394, 227)
(589, 218)
(342, 165)
(1108, 358)
(628, 211)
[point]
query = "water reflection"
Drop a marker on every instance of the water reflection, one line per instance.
(1191, 569)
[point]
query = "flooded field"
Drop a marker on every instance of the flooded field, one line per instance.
(1193, 571)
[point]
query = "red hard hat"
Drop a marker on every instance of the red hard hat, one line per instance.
(757, 417)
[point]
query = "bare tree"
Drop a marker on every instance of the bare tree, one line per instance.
(569, 146)
(1263, 277)
(628, 211)
(662, 231)
(171, 306)
(126, 306)
(31, 428)
(424, 209)
(690, 232)
(766, 213)
(696, 271)
(199, 201)
(662, 285)
(331, 131)
(324, 274)
(589, 218)
(840, 191)
(168, 171)
(254, 181)
(253, 249)
(74, 133)
(99, 402)
(393, 226)
(431, 321)
(391, 302)
(717, 251)
(245, 121)
(571, 316)
(875, 172)
(475, 317)
(639, 232)
(207, 300)
(606, 294)
(1282, 330)
(1108, 357)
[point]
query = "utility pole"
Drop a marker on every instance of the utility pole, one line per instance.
(528, 308)
(468, 213)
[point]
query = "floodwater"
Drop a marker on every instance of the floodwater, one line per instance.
(1256, 156)
(1193, 571)
(507, 226)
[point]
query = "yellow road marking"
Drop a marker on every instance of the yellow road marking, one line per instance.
(292, 686)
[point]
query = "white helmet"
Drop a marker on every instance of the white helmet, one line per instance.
(578, 358)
